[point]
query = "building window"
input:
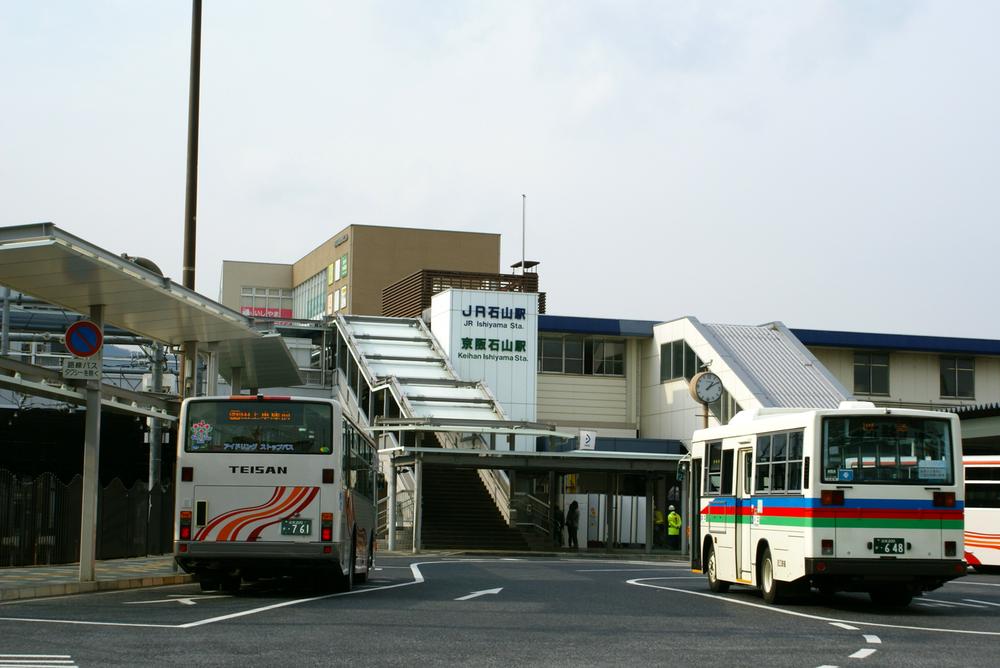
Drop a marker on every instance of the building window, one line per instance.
(580, 355)
(871, 373)
(310, 297)
(958, 378)
(266, 302)
(677, 360)
(725, 408)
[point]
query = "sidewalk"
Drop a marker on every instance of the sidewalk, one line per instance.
(40, 581)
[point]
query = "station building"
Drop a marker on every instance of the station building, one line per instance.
(622, 383)
(421, 337)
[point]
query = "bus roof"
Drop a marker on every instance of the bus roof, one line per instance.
(759, 419)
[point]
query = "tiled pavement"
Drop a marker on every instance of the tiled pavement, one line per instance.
(39, 581)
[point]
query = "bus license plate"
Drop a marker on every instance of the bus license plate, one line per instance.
(888, 546)
(296, 527)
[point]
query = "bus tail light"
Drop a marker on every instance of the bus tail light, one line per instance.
(950, 548)
(827, 547)
(328, 476)
(944, 499)
(187, 473)
(326, 527)
(832, 497)
(185, 525)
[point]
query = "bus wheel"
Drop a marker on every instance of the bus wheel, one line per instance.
(891, 597)
(772, 589)
(209, 584)
(230, 584)
(712, 570)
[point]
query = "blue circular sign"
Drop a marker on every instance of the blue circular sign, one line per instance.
(84, 338)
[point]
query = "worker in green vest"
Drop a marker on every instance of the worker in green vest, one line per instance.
(673, 529)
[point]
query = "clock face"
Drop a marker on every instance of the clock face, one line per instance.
(708, 388)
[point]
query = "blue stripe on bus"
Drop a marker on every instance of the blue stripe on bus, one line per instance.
(812, 502)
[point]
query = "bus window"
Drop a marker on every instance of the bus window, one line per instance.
(727, 472)
(713, 472)
(980, 495)
(878, 449)
(779, 463)
(272, 427)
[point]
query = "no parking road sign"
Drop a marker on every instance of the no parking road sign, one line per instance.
(84, 338)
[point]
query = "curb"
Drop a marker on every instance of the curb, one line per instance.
(69, 588)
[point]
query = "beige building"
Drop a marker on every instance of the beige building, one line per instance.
(347, 273)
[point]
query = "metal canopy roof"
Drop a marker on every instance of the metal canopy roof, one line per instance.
(264, 362)
(48, 263)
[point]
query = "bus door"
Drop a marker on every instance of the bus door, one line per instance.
(694, 514)
(744, 513)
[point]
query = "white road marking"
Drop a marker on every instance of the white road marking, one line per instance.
(972, 600)
(873, 640)
(952, 603)
(418, 578)
(845, 626)
(36, 661)
(862, 653)
(639, 582)
(977, 584)
(183, 600)
(826, 666)
(628, 570)
(477, 594)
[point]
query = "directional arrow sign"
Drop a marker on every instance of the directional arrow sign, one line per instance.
(477, 594)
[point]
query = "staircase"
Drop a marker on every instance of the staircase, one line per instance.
(459, 513)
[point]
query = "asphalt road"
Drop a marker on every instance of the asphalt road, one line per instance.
(429, 611)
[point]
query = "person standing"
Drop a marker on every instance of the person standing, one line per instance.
(572, 522)
(673, 529)
(659, 528)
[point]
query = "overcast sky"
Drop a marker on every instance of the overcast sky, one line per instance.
(831, 165)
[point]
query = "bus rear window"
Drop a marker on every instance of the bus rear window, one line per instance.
(888, 449)
(265, 427)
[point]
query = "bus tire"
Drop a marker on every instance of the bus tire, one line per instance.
(772, 590)
(898, 596)
(712, 571)
(209, 584)
(230, 584)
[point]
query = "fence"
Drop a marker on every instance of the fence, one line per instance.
(40, 520)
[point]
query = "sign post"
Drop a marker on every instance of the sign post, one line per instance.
(84, 339)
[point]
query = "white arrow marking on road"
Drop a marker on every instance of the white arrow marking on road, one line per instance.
(862, 653)
(480, 593)
(183, 600)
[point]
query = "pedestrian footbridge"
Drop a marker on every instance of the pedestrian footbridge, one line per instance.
(450, 445)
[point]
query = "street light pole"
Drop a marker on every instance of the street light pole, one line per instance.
(191, 191)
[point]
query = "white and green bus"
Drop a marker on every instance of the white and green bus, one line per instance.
(273, 486)
(856, 498)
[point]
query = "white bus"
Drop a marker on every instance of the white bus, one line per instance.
(982, 512)
(273, 486)
(856, 498)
